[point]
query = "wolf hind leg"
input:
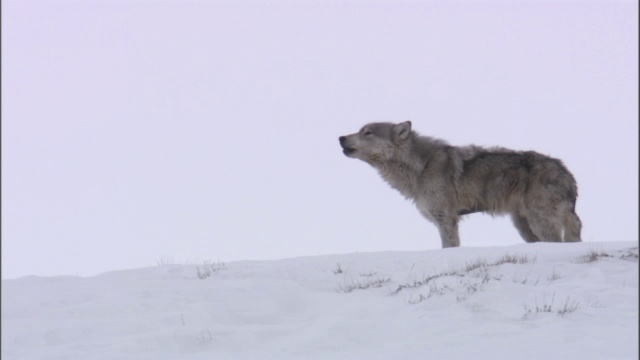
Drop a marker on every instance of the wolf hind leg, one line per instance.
(545, 226)
(522, 225)
(572, 227)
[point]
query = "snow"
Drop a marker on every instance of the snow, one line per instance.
(527, 301)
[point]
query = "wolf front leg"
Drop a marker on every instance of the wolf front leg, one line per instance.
(449, 233)
(447, 224)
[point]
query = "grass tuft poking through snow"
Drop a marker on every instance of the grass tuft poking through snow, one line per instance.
(591, 256)
(166, 260)
(209, 268)
(568, 306)
(362, 284)
(480, 265)
(338, 269)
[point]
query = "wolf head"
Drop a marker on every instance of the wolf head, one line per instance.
(376, 142)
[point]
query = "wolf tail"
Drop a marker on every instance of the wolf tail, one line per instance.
(572, 227)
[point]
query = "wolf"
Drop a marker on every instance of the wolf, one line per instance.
(446, 182)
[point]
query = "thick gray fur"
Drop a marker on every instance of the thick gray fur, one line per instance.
(446, 182)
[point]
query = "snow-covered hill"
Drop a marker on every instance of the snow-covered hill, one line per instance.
(529, 301)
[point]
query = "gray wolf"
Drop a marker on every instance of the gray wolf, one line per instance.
(446, 182)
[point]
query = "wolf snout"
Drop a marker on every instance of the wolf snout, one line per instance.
(343, 141)
(346, 149)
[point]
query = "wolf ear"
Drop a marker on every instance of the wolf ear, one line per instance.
(401, 131)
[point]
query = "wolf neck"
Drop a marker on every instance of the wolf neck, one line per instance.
(400, 177)
(404, 171)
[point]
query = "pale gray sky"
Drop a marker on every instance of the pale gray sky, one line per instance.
(197, 130)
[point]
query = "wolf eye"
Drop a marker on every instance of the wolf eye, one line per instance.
(367, 133)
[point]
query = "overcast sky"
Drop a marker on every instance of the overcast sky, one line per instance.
(208, 130)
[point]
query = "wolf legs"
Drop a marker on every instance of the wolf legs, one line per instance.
(522, 224)
(545, 226)
(448, 228)
(548, 224)
(572, 227)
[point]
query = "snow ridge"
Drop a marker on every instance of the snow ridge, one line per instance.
(531, 301)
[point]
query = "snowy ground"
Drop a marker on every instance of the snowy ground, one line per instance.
(529, 301)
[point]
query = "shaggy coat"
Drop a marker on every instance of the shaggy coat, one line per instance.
(446, 182)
